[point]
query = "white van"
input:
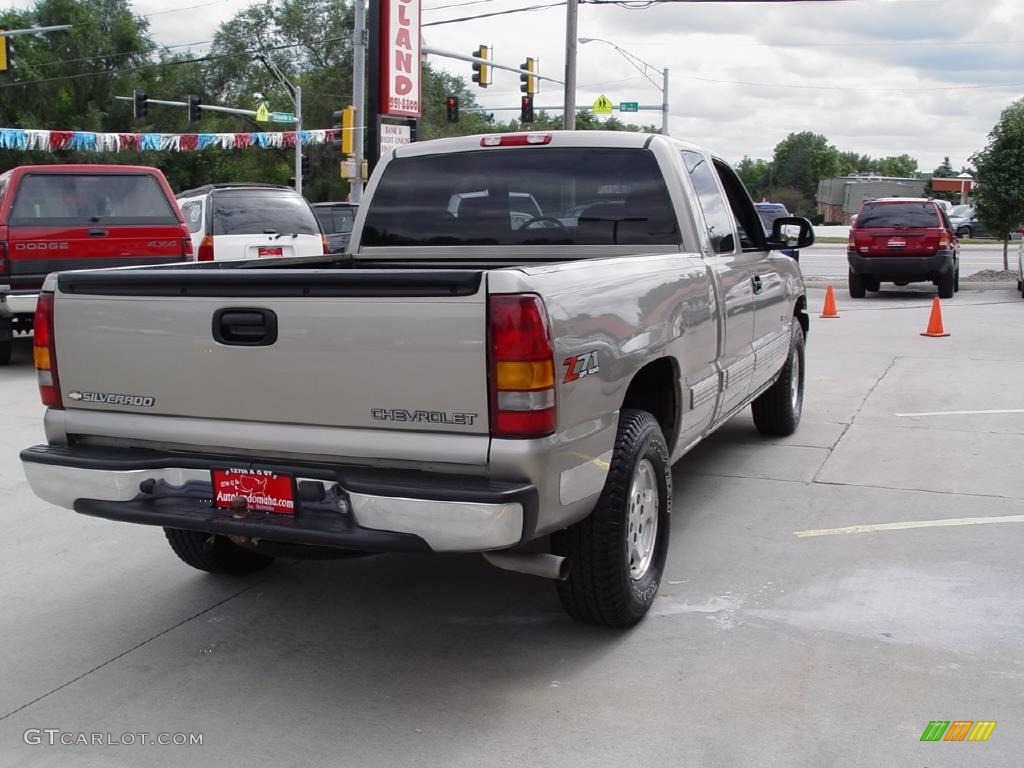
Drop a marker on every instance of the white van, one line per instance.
(230, 222)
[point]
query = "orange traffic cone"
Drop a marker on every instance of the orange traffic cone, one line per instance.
(935, 320)
(829, 310)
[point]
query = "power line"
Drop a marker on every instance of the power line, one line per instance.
(212, 57)
(185, 8)
(458, 5)
(111, 55)
(495, 13)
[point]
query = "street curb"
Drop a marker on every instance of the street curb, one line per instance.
(822, 282)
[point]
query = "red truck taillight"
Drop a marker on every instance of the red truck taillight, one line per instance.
(205, 249)
(3, 259)
(522, 369)
(45, 353)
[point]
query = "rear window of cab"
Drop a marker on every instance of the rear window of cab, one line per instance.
(896, 215)
(83, 199)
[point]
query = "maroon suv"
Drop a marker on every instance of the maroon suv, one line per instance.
(903, 240)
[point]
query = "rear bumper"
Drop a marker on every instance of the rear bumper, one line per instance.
(13, 303)
(336, 506)
(900, 268)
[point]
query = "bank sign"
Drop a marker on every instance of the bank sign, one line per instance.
(400, 80)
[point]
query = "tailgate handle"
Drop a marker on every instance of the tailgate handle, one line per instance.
(245, 327)
(97, 233)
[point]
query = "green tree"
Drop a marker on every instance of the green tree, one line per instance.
(801, 160)
(999, 196)
(943, 171)
(756, 176)
(901, 166)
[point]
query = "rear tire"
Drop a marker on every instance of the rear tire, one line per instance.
(617, 554)
(857, 286)
(6, 342)
(945, 285)
(214, 554)
(777, 410)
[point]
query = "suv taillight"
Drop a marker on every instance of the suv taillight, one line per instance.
(3, 260)
(522, 368)
(326, 245)
(44, 352)
(205, 249)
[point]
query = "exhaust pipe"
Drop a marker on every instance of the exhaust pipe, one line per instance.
(534, 563)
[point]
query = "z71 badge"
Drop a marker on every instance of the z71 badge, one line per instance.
(581, 365)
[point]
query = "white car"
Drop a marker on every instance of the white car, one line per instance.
(231, 222)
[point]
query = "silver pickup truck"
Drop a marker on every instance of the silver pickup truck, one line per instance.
(471, 376)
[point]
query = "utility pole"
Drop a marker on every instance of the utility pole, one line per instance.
(664, 101)
(571, 16)
(359, 95)
(372, 121)
(296, 93)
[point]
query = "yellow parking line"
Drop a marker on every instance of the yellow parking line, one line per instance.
(911, 524)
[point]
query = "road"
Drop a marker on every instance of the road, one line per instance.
(830, 260)
(766, 647)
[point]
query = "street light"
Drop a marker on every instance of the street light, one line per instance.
(642, 67)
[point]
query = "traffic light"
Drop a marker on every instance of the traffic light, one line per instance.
(481, 71)
(528, 83)
(305, 165)
(348, 131)
(451, 105)
(526, 113)
(195, 114)
(5, 52)
(141, 107)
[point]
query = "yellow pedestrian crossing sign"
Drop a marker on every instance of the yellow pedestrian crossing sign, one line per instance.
(262, 113)
(603, 105)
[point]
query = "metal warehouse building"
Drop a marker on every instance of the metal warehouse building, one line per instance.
(840, 198)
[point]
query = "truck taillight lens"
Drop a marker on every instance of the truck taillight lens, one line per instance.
(45, 353)
(186, 243)
(522, 369)
(3, 258)
(205, 249)
(327, 246)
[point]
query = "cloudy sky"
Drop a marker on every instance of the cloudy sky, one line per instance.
(881, 77)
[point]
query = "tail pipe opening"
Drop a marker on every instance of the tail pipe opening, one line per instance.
(533, 563)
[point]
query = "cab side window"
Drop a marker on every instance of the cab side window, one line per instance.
(713, 205)
(751, 230)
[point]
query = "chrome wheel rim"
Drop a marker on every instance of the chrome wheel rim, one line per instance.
(794, 382)
(642, 519)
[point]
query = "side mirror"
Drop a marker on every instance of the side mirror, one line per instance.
(791, 232)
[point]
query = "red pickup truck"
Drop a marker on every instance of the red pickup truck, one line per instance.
(64, 217)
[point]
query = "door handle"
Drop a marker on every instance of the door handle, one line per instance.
(756, 282)
(245, 327)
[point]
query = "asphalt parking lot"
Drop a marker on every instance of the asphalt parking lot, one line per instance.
(778, 638)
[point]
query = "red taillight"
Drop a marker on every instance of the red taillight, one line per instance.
(205, 249)
(516, 140)
(45, 353)
(3, 258)
(327, 247)
(522, 370)
(186, 243)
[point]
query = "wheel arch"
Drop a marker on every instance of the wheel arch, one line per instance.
(655, 388)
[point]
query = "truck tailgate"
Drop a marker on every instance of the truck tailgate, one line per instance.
(377, 349)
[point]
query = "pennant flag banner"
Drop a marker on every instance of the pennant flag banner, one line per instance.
(84, 141)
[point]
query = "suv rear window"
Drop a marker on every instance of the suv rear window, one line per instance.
(83, 199)
(336, 220)
(909, 215)
(257, 212)
(491, 197)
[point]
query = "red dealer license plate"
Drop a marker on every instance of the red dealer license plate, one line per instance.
(263, 490)
(270, 252)
(897, 242)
